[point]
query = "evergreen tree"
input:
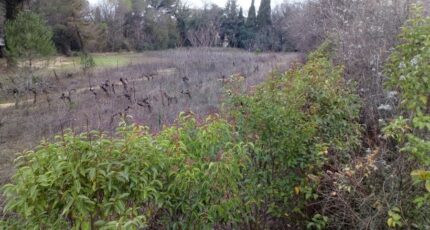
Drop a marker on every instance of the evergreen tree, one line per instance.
(242, 32)
(248, 33)
(9, 9)
(264, 14)
(252, 17)
(241, 18)
(230, 23)
(36, 42)
(232, 11)
(159, 28)
(264, 38)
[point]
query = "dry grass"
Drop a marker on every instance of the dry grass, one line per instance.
(153, 92)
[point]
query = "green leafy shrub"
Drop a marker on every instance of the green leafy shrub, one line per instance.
(185, 177)
(87, 62)
(408, 71)
(296, 121)
(318, 222)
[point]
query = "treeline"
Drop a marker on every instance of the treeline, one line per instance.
(137, 25)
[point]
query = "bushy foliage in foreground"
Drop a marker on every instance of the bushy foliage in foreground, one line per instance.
(297, 121)
(409, 74)
(185, 177)
(262, 169)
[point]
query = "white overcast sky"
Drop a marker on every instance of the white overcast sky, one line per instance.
(243, 3)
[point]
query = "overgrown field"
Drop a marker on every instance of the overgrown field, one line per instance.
(214, 138)
(152, 88)
(257, 164)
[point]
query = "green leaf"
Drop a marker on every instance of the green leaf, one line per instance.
(427, 185)
(67, 207)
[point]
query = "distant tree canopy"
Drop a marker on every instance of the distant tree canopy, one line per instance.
(137, 25)
(253, 33)
(70, 22)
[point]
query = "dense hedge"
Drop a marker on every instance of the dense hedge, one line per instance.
(185, 177)
(296, 121)
(408, 72)
(259, 168)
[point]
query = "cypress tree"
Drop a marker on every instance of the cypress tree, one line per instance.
(230, 23)
(232, 11)
(242, 32)
(251, 21)
(264, 14)
(264, 36)
(250, 29)
(241, 17)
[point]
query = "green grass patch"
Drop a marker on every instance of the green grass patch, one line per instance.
(110, 60)
(114, 60)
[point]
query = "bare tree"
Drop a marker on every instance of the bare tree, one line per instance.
(204, 28)
(363, 32)
(113, 13)
(203, 36)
